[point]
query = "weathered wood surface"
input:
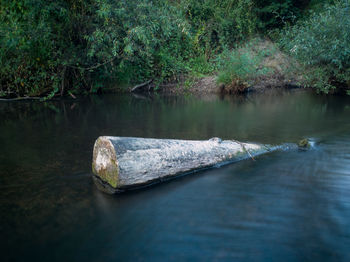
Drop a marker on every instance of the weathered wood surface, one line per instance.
(121, 163)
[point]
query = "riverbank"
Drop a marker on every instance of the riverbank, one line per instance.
(254, 67)
(59, 49)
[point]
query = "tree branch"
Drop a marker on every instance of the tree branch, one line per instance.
(141, 85)
(92, 67)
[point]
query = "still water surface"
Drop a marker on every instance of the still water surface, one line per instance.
(286, 206)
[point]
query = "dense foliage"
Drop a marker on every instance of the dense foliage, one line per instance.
(51, 47)
(321, 43)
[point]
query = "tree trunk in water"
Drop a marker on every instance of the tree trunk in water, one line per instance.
(122, 163)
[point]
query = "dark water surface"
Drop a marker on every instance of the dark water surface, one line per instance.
(289, 206)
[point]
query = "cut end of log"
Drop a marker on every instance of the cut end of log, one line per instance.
(104, 162)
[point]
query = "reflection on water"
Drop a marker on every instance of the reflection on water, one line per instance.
(291, 206)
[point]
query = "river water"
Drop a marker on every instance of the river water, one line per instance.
(285, 206)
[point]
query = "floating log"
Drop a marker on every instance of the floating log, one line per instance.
(122, 163)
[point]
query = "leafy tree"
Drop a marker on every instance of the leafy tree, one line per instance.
(48, 46)
(322, 45)
(219, 23)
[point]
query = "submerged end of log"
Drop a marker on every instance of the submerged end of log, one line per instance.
(105, 165)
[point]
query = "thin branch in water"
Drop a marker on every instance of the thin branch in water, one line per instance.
(247, 151)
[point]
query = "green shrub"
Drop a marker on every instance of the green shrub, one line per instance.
(239, 66)
(321, 44)
(200, 66)
(42, 45)
(219, 23)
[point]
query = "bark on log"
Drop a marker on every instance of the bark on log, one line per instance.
(122, 163)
